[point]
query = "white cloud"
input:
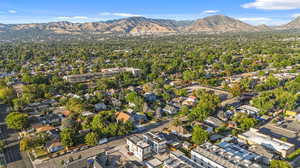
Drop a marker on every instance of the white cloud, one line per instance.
(210, 11)
(73, 18)
(273, 4)
(254, 19)
(295, 15)
(12, 11)
(119, 14)
(257, 20)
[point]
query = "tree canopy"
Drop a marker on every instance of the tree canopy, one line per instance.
(16, 120)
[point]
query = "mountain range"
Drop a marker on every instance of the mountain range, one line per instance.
(142, 25)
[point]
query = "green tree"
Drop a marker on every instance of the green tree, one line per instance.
(248, 123)
(2, 145)
(199, 136)
(91, 139)
(67, 137)
(7, 94)
(137, 100)
(190, 75)
(236, 89)
(16, 120)
(207, 105)
(25, 144)
(75, 105)
(279, 164)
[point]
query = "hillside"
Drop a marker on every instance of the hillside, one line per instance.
(294, 24)
(219, 23)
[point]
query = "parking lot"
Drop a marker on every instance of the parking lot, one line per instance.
(3, 131)
(12, 154)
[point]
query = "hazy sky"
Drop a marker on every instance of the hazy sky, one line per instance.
(271, 12)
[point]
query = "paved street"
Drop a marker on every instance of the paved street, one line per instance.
(3, 131)
(112, 145)
(12, 154)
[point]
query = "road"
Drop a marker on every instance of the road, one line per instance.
(215, 90)
(56, 162)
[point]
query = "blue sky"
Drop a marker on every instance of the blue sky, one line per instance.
(271, 12)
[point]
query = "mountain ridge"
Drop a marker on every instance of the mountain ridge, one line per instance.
(143, 25)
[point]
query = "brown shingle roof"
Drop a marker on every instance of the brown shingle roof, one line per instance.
(121, 116)
(45, 128)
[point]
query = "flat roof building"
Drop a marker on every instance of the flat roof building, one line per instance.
(179, 160)
(138, 147)
(157, 141)
(253, 136)
(224, 155)
(79, 78)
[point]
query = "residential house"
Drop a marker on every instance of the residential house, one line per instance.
(51, 119)
(55, 147)
(63, 111)
(88, 114)
(100, 107)
(140, 118)
(171, 110)
(124, 117)
(250, 110)
(151, 97)
(190, 101)
(180, 130)
(44, 129)
(214, 122)
(116, 102)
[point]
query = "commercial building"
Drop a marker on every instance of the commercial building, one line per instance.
(179, 160)
(104, 73)
(253, 136)
(224, 155)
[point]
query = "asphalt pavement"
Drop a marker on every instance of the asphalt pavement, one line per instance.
(12, 154)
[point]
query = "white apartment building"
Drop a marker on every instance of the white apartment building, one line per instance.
(157, 142)
(138, 147)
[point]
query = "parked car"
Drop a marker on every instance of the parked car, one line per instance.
(103, 141)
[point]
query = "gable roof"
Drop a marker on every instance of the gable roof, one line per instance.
(45, 128)
(121, 116)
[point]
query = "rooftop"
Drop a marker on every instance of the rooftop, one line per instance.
(138, 141)
(228, 155)
(154, 162)
(267, 141)
(155, 136)
(179, 160)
